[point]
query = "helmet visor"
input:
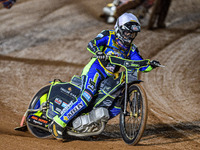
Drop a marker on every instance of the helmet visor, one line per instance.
(132, 26)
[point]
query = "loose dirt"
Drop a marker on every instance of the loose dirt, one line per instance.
(41, 40)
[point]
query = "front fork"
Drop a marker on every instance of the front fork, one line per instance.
(126, 98)
(133, 110)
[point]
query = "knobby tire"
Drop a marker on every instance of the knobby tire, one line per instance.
(133, 136)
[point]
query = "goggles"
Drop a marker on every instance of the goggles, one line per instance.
(129, 34)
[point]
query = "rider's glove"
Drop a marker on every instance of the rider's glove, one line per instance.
(100, 55)
(8, 3)
(154, 63)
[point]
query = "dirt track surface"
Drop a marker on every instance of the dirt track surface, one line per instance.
(41, 40)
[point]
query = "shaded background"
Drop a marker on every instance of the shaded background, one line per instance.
(41, 40)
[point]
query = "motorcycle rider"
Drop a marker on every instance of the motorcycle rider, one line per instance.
(116, 42)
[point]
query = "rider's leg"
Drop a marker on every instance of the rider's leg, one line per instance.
(115, 109)
(93, 74)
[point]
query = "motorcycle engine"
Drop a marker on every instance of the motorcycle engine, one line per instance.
(85, 122)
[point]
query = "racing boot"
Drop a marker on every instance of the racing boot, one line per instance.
(59, 122)
(57, 130)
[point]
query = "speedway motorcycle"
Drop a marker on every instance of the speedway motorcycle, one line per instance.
(123, 88)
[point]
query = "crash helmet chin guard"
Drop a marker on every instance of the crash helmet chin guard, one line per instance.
(126, 28)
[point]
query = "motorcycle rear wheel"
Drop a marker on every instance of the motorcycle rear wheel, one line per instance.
(39, 133)
(133, 122)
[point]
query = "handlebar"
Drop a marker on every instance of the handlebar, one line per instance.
(155, 63)
(130, 63)
(161, 66)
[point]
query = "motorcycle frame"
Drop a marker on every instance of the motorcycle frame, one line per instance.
(128, 65)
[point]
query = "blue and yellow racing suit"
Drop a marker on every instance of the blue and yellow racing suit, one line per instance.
(97, 70)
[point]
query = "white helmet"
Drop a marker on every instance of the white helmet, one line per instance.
(126, 28)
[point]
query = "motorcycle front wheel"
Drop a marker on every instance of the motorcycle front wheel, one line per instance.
(133, 119)
(34, 104)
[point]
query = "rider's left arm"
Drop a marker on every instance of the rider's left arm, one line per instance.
(135, 55)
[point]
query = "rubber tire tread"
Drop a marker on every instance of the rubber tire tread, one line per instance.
(136, 139)
(34, 130)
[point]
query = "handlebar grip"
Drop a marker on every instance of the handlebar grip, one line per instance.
(161, 66)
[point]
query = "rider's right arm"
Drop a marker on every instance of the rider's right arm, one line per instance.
(99, 42)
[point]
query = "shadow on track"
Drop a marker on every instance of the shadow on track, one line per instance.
(173, 133)
(40, 61)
